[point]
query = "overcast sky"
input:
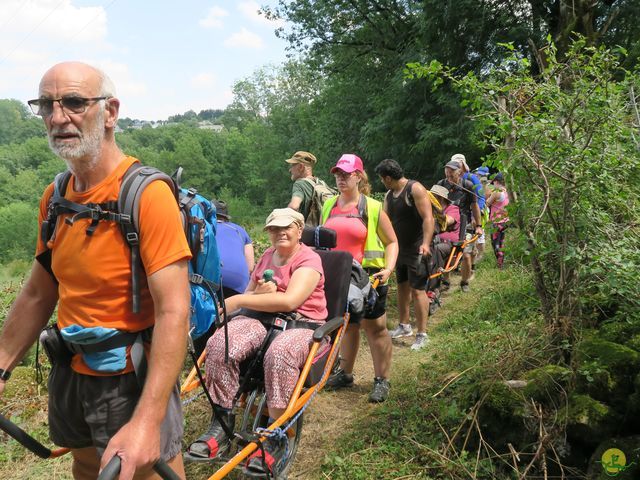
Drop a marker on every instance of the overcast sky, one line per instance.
(164, 56)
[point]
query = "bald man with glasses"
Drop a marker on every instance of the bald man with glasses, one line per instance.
(98, 405)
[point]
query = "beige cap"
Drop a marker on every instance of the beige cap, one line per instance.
(304, 158)
(462, 160)
(283, 217)
(440, 191)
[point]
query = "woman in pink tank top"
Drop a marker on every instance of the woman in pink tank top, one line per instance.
(497, 202)
(352, 236)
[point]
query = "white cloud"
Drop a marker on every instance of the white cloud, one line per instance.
(244, 39)
(36, 34)
(250, 9)
(203, 80)
(213, 18)
(126, 86)
(50, 22)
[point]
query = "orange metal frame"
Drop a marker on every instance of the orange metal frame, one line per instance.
(455, 256)
(296, 403)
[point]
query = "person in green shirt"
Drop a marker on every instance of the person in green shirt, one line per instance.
(301, 167)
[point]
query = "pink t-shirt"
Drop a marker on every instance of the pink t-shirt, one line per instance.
(351, 232)
(453, 235)
(314, 307)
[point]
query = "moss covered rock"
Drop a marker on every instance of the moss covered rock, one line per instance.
(547, 384)
(588, 420)
(504, 400)
(619, 330)
(614, 357)
(606, 370)
(634, 342)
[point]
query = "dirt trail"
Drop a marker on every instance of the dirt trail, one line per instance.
(333, 412)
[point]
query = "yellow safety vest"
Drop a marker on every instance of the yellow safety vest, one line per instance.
(373, 246)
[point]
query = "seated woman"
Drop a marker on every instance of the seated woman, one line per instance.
(442, 241)
(297, 286)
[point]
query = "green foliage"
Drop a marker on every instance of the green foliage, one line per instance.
(565, 140)
(491, 336)
(18, 231)
(17, 123)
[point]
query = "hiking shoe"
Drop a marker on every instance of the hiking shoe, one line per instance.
(402, 330)
(445, 285)
(211, 444)
(380, 390)
(434, 301)
(267, 467)
(464, 287)
(421, 341)
(339, 379)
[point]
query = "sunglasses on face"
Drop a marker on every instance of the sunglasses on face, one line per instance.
(343, 175)
(44, 106)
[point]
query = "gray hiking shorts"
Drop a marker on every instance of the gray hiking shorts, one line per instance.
(86, 411)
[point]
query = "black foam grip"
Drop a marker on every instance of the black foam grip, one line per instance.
(23, 437)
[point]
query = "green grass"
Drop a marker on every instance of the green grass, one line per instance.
(490, 333)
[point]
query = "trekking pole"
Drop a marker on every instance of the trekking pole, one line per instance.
(27, 441)
(113, 469)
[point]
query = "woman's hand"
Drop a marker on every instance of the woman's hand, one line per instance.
(383, 275)
(265, 287)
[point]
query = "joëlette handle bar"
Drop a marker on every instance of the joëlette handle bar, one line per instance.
(111, 471)
(28, 441)
(454, 257)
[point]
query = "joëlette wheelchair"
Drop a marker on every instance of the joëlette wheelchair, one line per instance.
(337, 267)
(251, 427)
(453, 259)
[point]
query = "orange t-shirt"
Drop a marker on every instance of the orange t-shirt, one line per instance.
(94, 272)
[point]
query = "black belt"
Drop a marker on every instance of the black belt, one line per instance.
(280, 321)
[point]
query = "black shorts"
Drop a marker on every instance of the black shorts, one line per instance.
(379, 309)
(416, 273)
(86, 411)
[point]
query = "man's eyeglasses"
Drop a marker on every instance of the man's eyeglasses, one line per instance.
(44, 106)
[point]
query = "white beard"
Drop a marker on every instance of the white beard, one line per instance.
(84, 156)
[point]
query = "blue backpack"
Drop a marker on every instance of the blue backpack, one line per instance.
(198, 219)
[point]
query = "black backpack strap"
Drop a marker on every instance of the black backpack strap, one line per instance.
(48, 226)
(187, 201)
(177, 177)
(363, 211)
(135, 180)
(408, 196)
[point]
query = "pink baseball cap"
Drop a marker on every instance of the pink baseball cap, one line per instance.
(349, 163)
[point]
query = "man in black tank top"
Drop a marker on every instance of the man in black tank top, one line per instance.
(409, 208)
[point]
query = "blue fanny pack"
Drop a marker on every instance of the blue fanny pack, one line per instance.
(81, 339)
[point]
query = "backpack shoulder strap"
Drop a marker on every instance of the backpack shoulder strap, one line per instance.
(48, 225)
(135, 180)
(408, 195)
(363, 210)
(60, 183)
(312, 180)
(386, 199)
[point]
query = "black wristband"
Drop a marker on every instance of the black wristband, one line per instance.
(4, 374)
